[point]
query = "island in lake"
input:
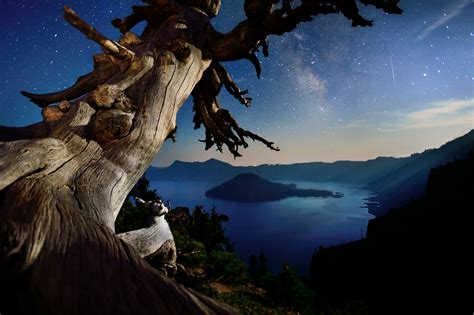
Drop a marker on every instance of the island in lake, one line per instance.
(249, 187)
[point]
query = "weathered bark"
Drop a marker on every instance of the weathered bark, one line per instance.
(63, 181)
(62, 190)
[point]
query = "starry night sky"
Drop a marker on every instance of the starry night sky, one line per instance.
(328, 91)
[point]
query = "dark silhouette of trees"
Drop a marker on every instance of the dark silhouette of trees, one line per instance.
(253, 266)
(416, 259)
(133, 215)
(258, 269)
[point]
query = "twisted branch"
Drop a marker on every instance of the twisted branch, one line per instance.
(221, 128)
(263, 20)
(112, 47)
(117, 58)
(231, 87)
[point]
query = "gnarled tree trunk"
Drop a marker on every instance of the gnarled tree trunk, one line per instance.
(61, 192)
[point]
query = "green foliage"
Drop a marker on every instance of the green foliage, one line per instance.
(253, 267)
(246, 302)
(142, 190)
(190, 251)
(134, 216)
(352, 308)
(289, 290)
(131, 217)
(207, 228)
(262, 268)
(227, 267)
(258, 269)
(202, 244)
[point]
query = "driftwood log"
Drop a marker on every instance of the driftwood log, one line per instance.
(64, 180)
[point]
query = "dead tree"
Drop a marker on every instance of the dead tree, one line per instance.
(63, 180)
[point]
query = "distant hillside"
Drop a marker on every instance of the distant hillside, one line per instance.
(212, 170)
(416, 259)
(394, 180)
(358, 172)
(249, 187)
(408, 180)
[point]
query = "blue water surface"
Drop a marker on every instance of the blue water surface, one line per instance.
(287, 231)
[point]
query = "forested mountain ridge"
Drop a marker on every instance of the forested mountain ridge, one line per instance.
(394, 180)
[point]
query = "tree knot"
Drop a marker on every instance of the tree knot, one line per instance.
(112, 124)
(180, 49)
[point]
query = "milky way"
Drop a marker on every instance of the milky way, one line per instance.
(328, 91)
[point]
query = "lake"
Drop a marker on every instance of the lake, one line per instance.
(287, 231)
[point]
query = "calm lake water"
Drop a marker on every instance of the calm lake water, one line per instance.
(287, 231)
